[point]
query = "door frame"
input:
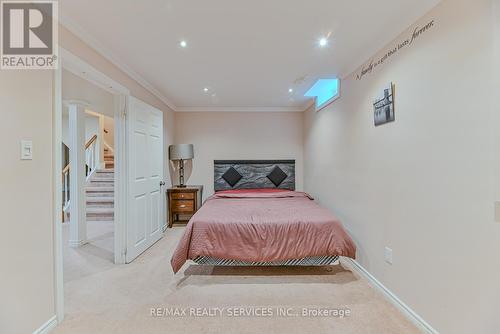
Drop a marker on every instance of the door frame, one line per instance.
(81, 68)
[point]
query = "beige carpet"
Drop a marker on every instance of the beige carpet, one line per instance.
(119, 298)
(94, 257)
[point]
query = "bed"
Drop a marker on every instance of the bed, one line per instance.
(256, 218)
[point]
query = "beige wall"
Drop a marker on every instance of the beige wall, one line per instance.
(423, 185)
(26, 224)
(221, 135)
(76, 46)
(26, 221)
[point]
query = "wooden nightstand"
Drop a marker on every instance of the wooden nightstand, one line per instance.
(183, 201)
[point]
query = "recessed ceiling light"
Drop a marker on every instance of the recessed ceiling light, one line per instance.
(323, 42)
(290, 90)
(183, 44)
(205, 90)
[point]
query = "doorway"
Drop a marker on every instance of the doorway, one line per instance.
(93, 251)
(123, 173)
(81, 91)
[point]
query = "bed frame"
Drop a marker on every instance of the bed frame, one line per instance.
(255, 175)
(307, 261)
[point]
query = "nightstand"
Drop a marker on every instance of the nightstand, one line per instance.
(183, 201)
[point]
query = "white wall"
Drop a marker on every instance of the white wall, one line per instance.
(26, 202)
(76, 46)
(91, 127)
(423, 185)
(109, 125)
(221, 135)
(77, 88)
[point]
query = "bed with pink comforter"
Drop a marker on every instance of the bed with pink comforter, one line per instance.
(262, 226)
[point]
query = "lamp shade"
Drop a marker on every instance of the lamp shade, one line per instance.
(181, 152)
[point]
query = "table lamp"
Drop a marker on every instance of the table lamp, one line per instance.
(180, 153)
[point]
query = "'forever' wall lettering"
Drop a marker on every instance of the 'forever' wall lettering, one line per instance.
(372, 64)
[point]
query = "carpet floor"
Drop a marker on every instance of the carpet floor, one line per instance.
(146, 297)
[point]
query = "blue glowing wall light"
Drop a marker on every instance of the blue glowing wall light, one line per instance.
(325, 91)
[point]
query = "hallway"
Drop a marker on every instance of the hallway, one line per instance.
(94, 257)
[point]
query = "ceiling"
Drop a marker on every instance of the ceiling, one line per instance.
(248, 53)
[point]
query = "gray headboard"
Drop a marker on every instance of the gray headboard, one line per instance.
(253, 174)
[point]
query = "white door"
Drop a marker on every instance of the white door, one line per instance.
(145, 176)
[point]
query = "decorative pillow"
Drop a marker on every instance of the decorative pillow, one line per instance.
(231, 176)
(277, 176)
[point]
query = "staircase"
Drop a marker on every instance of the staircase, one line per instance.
(100, 187)
(109, 159)
(100, 192)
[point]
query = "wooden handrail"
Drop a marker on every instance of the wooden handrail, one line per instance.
(91, 141)
(87, 145)
(65, 169)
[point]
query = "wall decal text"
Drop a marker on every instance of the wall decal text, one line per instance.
(407, 42)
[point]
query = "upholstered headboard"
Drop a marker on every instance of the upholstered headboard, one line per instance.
(254, 174)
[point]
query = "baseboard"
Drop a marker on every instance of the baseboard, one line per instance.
(47, 327)
(405, 309)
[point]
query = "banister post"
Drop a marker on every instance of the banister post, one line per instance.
(78, 219)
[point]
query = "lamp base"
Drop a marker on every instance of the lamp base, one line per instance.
(181, 186)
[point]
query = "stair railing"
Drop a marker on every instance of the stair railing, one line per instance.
(91, 156)
(91, 165)
(65, 185)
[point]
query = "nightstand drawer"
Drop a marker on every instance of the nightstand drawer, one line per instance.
(183, 206)
(183, 195)
(183, 202)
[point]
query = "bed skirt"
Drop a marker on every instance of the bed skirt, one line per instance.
(307, 261)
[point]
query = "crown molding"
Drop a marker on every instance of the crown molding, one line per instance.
(240, 109)
(81, 33)
(78, 31)
(310, 104)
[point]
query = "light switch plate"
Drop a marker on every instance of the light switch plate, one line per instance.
(388, 255)
(497, 212)
(26, 150)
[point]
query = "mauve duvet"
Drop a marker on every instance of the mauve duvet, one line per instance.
(262, 226)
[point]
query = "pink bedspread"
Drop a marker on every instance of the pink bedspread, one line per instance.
(262, 227)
